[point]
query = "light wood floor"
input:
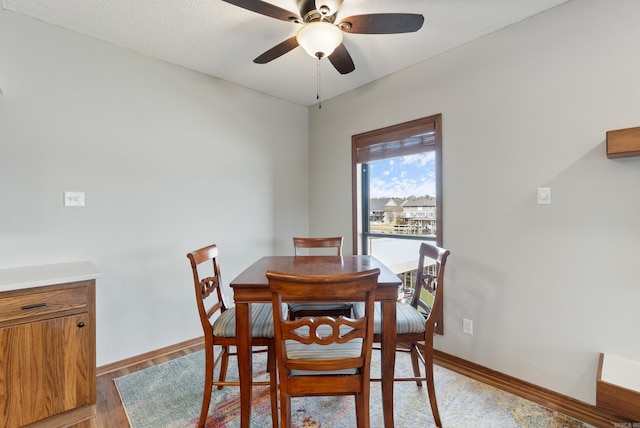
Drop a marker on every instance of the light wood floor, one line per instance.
(109, 410)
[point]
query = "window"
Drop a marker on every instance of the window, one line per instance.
(397, 193)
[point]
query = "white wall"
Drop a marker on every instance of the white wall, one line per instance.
(169, 160)
(1, 49)
(548, 287)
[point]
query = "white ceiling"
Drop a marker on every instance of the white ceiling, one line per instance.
(221, 40)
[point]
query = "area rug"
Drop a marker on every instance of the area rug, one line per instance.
(170, 394)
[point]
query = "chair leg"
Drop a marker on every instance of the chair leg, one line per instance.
(359, 410)
(273, 384)
(363, 416)
(428, 358)
(208, 386)
(366, 399)
(285, 409)
(414, 362)
(224, 364)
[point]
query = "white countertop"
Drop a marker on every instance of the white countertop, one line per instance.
(41, 275)
(621, 371)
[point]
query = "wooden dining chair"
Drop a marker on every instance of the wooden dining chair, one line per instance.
(219, 326)
(303, 309)
(332, 242)
(324, 356)
(416, 321)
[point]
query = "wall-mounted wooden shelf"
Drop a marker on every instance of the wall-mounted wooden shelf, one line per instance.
(623, 143)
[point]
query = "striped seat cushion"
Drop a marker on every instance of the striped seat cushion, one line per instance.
(314, 351)
(261, 321)
(408, 318)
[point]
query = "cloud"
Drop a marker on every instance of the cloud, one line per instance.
(415, 177)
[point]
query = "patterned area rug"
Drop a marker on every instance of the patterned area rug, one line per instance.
(170, 394)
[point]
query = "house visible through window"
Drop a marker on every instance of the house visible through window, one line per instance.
(397, 193)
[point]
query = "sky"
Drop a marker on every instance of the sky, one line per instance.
(412, 175)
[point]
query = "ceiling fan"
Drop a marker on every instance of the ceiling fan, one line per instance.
(320, 35)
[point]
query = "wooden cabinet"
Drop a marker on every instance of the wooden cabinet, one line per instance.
(47, 355)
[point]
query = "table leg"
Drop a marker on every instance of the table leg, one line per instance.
(388, 345)
(245, 363)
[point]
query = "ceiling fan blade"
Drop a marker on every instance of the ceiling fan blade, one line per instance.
(341, 60)
(277, 51)
(267, 9)
(382, 23)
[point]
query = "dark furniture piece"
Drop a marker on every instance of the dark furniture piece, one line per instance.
(251, 287)
(305, 309)
(416, 321)
(324, 356)
(219, 326)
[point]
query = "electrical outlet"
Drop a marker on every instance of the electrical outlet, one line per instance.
(467, 326)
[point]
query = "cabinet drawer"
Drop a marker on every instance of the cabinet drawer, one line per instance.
(40, 305)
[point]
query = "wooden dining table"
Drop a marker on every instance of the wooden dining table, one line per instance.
(251, 286)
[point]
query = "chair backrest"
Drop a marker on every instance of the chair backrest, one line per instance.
(323, 330)
(207, 284)
(428, 290)
(332, 242)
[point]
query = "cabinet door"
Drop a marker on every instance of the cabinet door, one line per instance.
(44, 368)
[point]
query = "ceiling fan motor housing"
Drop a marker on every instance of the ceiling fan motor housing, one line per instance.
(318, 10)
(306, 6)
(328, 7)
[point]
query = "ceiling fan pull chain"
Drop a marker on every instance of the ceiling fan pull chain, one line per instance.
(318, 83)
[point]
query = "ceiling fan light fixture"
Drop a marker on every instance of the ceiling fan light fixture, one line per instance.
(319, 38)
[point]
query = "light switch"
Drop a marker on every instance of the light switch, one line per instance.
(74, 199)
(544, 195)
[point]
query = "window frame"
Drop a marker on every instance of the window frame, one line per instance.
(360, 150)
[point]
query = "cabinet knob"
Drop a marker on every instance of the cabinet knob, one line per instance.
(80, 324)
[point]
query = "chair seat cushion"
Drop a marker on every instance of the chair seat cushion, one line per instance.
(261, 321)
(317, 306)
(408, 318)
(314, 351)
